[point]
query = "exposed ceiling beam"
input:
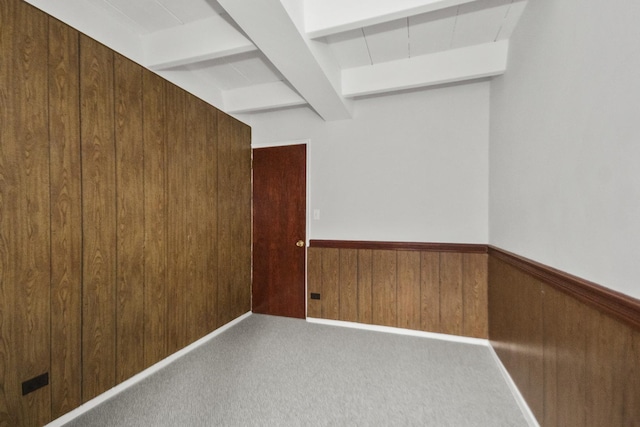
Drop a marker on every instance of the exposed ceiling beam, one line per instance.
(260, 97)
(326, 17)
(198, 41)
(272, 30)
(450, 66)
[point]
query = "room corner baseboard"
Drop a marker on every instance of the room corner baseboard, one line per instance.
(522, 403)
(59, 422)
(400, 331)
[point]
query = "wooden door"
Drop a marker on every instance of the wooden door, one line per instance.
(279, 223)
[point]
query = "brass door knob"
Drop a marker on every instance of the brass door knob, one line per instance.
(300, 243)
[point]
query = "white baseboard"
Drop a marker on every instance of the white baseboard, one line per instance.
(526, 411)
(522, 404)
(400, 331)
(142, 375)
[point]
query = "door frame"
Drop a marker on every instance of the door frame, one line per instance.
(308, 212)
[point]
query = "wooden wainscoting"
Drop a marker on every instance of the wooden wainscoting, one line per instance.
(572, 347)
(125, 217)
(430, 287)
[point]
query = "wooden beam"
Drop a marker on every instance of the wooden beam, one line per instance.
(451, 66)
(301, 61)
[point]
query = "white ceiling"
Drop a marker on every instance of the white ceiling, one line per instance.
(251, 55)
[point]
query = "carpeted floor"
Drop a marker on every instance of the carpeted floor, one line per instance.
(274, 371)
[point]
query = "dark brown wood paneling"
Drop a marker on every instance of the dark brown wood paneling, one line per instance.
(9, 391)
(314, 282)
(409, 295)
(400, 246)
(130, 218)
(331, 284)
(474, 295)
(24, 213)
(564, 346)
(451, 293)
(98, 219)
(196, 218)
(177, 210)
(430, 291)
(365, 279)
(210, 232)
(84, 212)
(384, 288)
(403, 288)
(348, 289)
(575, 364)
(234, 218)
(66, 217)
(616, 304)
(155, 224)
(516, 333)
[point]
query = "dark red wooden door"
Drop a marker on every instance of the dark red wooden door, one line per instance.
(279, 225)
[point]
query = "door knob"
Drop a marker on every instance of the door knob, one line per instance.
(300, 243)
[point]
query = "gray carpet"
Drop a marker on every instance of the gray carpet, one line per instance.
(273, 371)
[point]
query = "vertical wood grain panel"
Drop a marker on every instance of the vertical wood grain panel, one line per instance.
(365, 279)
(516, 330)
(384, 288)
(9, 392)
(606, 372)
(409, 297)
(551, 353)
(314, 282)
(474, 295)
(451, 293)
(24, 214)
(348, 287)
(192, 278)
(211, 215)
(588, 375)
(630, 387)
(430, 291)
(130, 218)
(331, 284)
(66, 219)
(176, 211)
(565, 342)
(234, 218)
(32, 222)
(99, 217)
(155, 224)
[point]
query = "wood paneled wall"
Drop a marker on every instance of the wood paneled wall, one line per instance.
(574, 364)
(435, 288)
(124, 217)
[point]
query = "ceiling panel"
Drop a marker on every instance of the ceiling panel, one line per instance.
(388, 41)
(238, 71)
(350, 48)
(256, 69)
(222, 75)
(432, 32)
(148, 15)
(479, 22)
(192, 10)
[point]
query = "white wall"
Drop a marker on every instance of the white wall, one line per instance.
(407, 167)
(565, 141)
